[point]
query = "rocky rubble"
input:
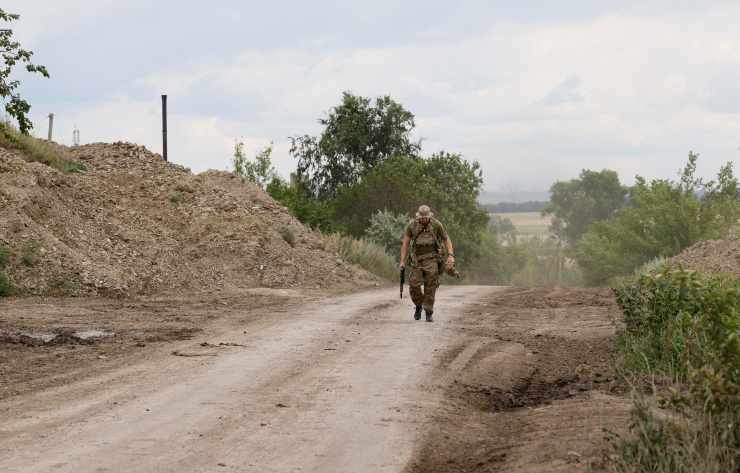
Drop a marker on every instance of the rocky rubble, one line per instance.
(134, 224)
(712, 256)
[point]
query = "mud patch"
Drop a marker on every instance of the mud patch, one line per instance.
(536, 394)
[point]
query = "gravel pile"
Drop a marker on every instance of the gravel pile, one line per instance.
(713, 256)
(134, 224)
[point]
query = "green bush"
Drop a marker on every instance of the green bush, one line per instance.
(386, 229)
(6, 287)
(676, 319)
(177, 197)
(365, 254)
(682, 328)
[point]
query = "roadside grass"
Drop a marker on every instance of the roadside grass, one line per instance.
(680, 351)
(366, 254)
(37, 150)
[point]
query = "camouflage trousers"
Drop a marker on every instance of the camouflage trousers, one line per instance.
(426, 273)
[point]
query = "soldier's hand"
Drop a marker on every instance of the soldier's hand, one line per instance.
(401, 265)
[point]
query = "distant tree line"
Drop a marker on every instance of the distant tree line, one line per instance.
(611, 229)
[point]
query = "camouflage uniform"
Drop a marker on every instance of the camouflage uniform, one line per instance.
(425, 254)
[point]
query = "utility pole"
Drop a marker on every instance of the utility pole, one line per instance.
(164, 126)
(51, 124)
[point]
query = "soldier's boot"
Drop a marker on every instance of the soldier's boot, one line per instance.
(417, 313)
(429, 316)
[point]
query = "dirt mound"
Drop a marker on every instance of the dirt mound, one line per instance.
(712, 256)
(134, 224)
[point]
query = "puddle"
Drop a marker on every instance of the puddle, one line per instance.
(61, 337)
(42, 337)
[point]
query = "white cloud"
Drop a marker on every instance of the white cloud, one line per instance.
(533, 102)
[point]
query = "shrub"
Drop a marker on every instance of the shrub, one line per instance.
(6, 287)
(386, 229)
(288, 235)
(366, 254)
(177, 197)
(38, 150)
(676, 319)
(683, 327)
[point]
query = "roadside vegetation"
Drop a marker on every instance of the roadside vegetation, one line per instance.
(680, 350)
(37, 150)
(363, 177)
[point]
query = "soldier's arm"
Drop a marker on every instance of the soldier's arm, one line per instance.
(448, 241)
(404, 250)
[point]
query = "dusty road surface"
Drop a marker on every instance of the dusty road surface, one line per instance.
(336, 386)
(503, 380)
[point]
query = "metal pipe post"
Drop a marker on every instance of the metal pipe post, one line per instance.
(51, 124)
(164, 127)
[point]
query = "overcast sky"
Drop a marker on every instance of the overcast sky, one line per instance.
(535, 91)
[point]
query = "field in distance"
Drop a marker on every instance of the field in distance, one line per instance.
(528, 224)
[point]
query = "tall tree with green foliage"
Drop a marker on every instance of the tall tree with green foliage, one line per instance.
(578, 203)
(445, 181)
(662, 218)
(13, 55)
(357, 136)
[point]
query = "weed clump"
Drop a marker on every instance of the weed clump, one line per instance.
(30, 256)
(177, 197)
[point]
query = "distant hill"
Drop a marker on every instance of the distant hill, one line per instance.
(514, 196)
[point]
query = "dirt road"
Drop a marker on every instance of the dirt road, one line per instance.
(344, 384)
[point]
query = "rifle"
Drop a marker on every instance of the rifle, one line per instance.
(403, 279)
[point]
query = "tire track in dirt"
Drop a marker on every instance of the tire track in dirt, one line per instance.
(528, 386)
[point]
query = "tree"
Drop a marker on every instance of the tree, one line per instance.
(445, 181)
(13, 55)
(661, 219)
(302, 204)
(260, 171)
(578, 203)
(357, 136)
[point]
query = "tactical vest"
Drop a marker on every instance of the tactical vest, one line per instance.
(424, 243)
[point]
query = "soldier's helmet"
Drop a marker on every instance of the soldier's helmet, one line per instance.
(424, 212)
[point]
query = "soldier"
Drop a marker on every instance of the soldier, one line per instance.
(425, 235)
